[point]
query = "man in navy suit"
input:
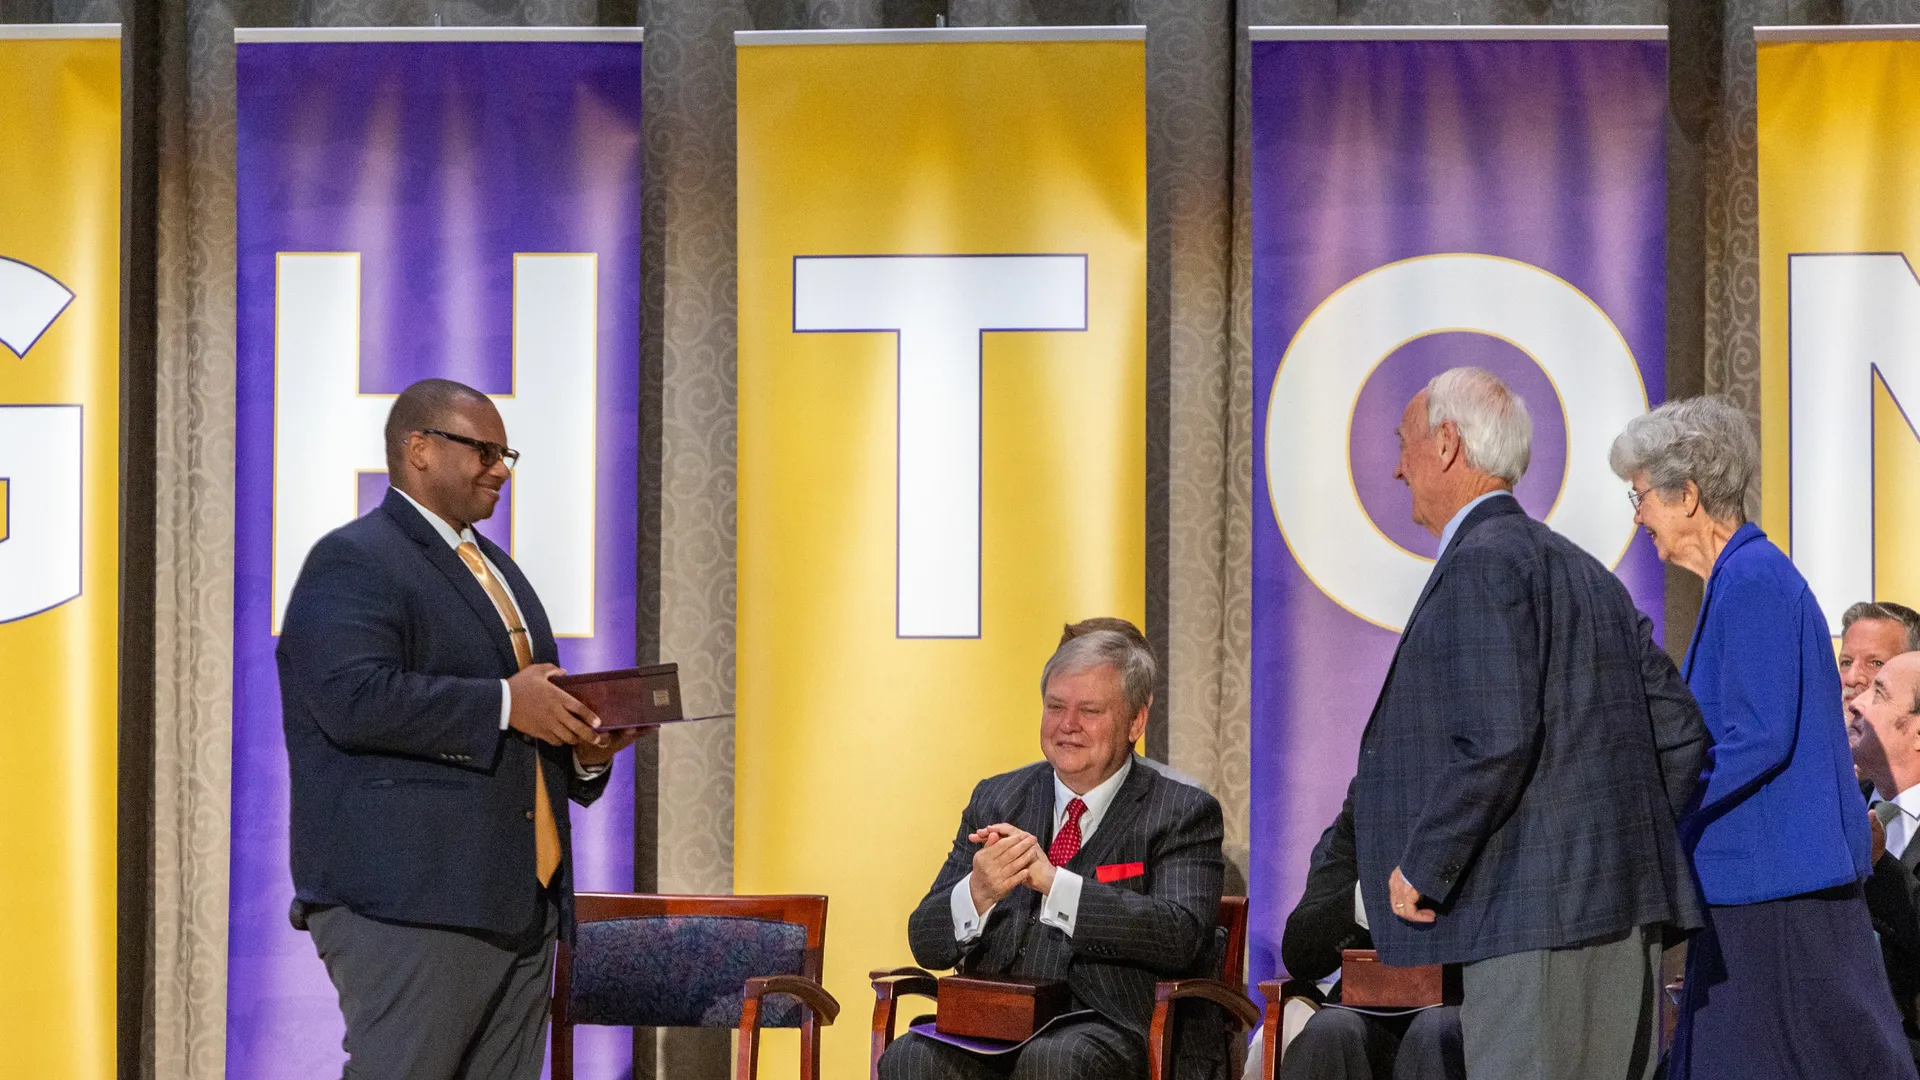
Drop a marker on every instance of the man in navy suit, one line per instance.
(1525, 763)
(431, 762)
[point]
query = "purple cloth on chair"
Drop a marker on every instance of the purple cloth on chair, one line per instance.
(924, 1027)
(682, 970)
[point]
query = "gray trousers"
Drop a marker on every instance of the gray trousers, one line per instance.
(1586, 1013)
(427, 1003)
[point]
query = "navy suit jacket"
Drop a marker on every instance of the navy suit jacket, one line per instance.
(409, 802)
(1528, 755)
(1780, 811)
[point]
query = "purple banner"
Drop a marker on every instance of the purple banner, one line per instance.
(1420, 205)
(468, 210)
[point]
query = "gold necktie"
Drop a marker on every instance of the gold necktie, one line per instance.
(546, 834)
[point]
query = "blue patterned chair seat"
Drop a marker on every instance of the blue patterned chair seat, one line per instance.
(682, 970)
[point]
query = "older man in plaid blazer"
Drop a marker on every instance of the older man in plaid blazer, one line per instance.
(1522, 771)
(1089, 867)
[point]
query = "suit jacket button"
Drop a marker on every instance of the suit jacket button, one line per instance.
(529, 815)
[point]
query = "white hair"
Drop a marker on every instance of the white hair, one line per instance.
(1707, 440)
(1105, 648)
(1493, 423)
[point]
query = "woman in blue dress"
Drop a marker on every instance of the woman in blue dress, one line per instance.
(1786, 980)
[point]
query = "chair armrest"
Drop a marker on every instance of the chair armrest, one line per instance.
(889, 986)
(1278, 993)
(1168, 991)
(911, 976)
(1230, 998)
(811, 994)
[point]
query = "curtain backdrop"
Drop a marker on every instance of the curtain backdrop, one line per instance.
(1199, 378)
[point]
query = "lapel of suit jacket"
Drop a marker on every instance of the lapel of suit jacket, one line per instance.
(539, 630)
(1118, 820)
(435, 548)
(1034, 814)
(1910, 858)
(1494, 507)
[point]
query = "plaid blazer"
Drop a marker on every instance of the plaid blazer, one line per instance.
(1129, 933)
(1528, 756)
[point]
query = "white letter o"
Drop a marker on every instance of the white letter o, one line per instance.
(1310, 413)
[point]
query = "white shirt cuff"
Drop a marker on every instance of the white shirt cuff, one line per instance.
(589, 772)
(967, 923)
(1062, 908)
(506, 703)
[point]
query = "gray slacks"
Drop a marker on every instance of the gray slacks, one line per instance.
(1339, 1044)
(430, 1003)
(1585, 1013)
(1088, 1050)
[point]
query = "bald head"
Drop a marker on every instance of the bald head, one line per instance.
(427, 404)
(1899, 679)
(1888, 750)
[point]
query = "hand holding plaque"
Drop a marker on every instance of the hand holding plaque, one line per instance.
(631, 698)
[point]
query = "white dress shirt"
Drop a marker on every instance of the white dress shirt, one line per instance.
(1061, 907)
(1902, 828)
(465, 536)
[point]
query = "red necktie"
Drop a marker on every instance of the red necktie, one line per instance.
(1067, 843)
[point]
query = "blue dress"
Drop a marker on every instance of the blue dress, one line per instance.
(1786, 980)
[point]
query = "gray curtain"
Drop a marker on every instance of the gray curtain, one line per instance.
(1200, 436)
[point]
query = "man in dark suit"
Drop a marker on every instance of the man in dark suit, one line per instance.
(1525, 762)
(1889, 755)
(1340, 1044)
(1086, 868)
(431, 762)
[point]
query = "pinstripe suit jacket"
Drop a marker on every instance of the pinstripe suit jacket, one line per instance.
(1528, 756)
(1129, 933)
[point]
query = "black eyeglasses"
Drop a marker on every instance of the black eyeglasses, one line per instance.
(490, 452)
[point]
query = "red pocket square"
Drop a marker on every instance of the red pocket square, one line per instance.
(1119, 871)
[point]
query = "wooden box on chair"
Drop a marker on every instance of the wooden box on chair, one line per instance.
(1006, 1008)
(1365, 982)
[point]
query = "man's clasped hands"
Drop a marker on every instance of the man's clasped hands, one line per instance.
(1008, 856)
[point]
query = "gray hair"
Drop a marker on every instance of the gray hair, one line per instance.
(1892, 612)
(1494, 427)
(1105, 648)
(1707, 440)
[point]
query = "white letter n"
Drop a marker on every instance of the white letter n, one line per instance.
(1851, 317)
(939, 305)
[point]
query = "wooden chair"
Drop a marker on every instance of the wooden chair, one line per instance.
(695, 961)
(1230, 950)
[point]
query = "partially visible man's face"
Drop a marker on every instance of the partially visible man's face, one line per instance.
(1868, 644)
(1886, 709)
(447, 476)
(1420, 467)
(1086, 731)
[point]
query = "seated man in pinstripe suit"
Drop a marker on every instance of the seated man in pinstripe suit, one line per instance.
(1087, 868)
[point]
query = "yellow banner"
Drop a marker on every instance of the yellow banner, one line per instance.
(59, 551)
(1839, 158)
(942, 369)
